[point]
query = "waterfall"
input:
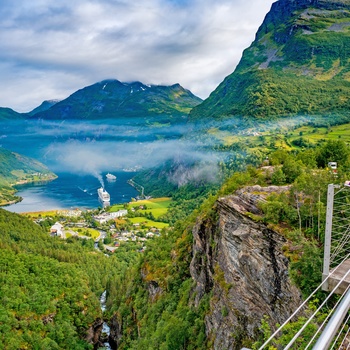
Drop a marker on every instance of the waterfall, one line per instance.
(105, 328)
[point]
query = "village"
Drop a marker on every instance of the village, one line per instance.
(109, 228)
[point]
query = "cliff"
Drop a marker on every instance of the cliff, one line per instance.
(241, 262)
(207, 285)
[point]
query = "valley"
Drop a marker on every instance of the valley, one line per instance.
(216, 224)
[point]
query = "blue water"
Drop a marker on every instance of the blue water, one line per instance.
(71, 191)
(71, 148)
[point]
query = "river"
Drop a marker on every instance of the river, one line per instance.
(105, 328)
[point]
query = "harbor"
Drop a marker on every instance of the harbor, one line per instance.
(71, 191)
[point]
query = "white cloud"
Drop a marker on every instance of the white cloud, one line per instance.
(49, 49)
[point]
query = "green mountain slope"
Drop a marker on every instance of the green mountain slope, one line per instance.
(43, 107)
(9, 114)
(112, 98)
(16, 168)
(298, 64)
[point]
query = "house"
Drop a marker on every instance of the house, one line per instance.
(110, 249)
(101, 219)
(70, 213)
(105, 217)
(56, 230)
(118, 214)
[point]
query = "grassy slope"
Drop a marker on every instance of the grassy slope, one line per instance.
(287, 139)
(15, 169)
(156, 206)
(298, 64)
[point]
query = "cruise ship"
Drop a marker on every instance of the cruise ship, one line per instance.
(110, 176)
(103, 195)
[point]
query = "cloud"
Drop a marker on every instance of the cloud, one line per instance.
(49, 49)
(81, 157)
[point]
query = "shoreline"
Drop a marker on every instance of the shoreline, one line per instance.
(16, 199)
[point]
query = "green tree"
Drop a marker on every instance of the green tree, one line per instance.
(278, 177)
(292, 169)
(333, 151)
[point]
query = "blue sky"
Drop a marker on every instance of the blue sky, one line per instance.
(50, 48)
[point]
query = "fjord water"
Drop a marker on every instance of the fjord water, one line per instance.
(82, 152)
(71, 191)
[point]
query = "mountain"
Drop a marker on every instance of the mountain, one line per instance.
(15, 169)
(112, 98)
(297, 64)
(43, 107)
(14, 165)
(9, 114)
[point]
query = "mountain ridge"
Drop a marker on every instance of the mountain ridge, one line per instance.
(9, 114)
(112, 98)
(44, 106)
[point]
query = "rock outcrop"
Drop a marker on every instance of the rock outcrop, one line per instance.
(241, 262)
(116, 332)
(94, 332)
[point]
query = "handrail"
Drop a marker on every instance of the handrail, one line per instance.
(333, 325)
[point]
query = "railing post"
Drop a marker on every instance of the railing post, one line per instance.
(328, 235)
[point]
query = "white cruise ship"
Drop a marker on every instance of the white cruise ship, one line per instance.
(103, 195)
(110, 176)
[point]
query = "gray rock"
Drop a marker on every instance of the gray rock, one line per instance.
(241, 262)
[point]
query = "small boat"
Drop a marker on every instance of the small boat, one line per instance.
(103, 195)
(110, 176)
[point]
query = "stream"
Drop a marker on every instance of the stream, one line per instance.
(105, 328)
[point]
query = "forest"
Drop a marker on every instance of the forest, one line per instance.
(158, 312)
(50, 289)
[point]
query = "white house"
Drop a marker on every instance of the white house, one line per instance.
(119, 213)
(57, 229)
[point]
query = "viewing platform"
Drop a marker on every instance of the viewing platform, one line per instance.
(336, 275)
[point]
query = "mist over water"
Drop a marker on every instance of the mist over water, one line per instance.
(77, 150)
(81, 153)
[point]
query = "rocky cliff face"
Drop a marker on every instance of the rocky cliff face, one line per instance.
(94, 332)
(242, 263)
